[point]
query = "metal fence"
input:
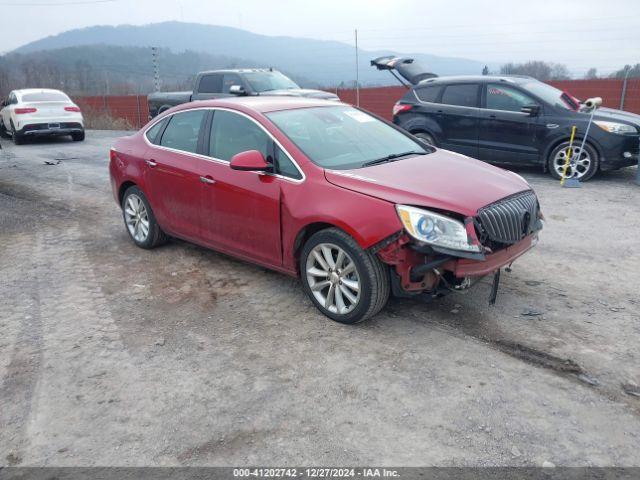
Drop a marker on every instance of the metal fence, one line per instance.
(615, 93)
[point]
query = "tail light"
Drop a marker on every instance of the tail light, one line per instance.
(72, 109)
(113, 156)
(22, 111)
(401, 107)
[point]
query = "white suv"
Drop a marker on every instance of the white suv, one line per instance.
(40, 112)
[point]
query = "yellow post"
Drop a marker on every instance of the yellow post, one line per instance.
(569, 155)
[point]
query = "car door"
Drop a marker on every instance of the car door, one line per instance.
(240, 210)
(508, 135)
(172, 173)
(458, 117)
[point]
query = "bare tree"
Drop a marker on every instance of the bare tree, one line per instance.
(537, 69)
(591, 73)
(560, 72)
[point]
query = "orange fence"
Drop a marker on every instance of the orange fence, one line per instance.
(132, 108)
(380, 100)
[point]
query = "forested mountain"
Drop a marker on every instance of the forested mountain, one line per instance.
(104, 69)
(323, 63)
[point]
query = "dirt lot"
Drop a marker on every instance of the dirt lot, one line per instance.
(112, 355)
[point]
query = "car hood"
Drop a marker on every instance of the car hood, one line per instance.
(441, 180)
(302, 92)
(620, 115)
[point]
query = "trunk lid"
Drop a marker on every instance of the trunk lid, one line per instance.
(441, 180)
(49, 109)
(411, 71)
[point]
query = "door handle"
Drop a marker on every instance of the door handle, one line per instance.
(151, 163)
(207, 180)
(492, 117)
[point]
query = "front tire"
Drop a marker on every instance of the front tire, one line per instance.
(345, 282)
(583, 165)
(139, 220)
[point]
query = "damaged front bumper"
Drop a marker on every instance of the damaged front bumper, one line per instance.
(419, 268)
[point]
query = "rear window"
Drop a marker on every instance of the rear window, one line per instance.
(152, 133)
(428, 94)
(183, 130)
(45, 97)
(464, 95)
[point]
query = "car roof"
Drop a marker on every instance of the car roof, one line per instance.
(516, 79)
(238, 70)
(265, 103)
(38, 90)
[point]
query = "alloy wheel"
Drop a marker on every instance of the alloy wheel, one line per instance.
(579, 163)
(136, 218)
(333, 278)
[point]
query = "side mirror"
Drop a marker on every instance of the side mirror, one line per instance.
(237, 90)
(249, 161)
(531, 110)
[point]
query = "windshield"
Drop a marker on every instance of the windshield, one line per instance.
(342, 137)
(45, 97)
(550, 94)
(265, 81)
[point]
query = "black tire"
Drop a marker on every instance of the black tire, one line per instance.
(374, 278)
(156, 236)
(17, 138)
(593, 154)
(426, 137)
(78, 137)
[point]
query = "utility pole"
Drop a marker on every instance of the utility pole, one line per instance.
(624, 87)
(357, 73)
(156, 69)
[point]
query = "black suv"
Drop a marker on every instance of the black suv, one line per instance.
(517, 121)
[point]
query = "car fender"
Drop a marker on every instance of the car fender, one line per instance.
(366, 219)
(127, 171)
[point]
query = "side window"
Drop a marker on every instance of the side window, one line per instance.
(152, 133)
(285, 166)
(229, 80)
(464, 95)
(210, 83)
(500, 97)
(428, 94)
(183, 130)
(232, 133)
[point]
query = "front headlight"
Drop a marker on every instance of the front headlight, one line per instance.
(435, 229)
(613, 127)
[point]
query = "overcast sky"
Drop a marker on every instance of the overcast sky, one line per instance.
(579, 33)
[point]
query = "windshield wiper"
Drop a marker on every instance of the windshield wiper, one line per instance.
(389, 158)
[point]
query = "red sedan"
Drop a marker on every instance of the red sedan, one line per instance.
(352, 204)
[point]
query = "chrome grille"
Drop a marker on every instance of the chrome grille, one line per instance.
(509, 220)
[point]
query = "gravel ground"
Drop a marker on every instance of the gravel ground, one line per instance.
(112, 355)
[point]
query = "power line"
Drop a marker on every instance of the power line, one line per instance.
(56, 4)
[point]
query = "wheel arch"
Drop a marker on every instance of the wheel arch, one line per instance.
(307, 231)
(123, 188)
